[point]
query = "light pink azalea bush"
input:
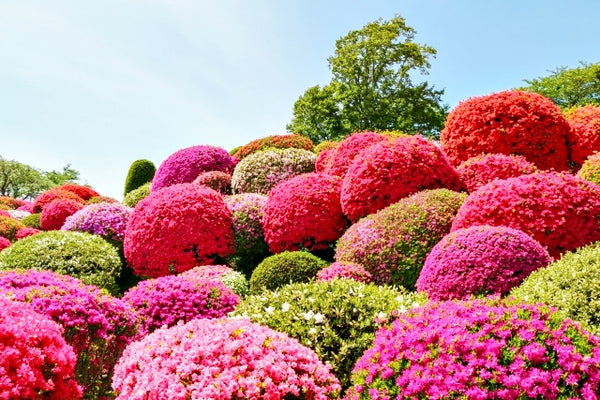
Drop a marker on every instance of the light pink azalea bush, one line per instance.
(348, 270)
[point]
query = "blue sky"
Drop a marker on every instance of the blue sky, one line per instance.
(99, 84)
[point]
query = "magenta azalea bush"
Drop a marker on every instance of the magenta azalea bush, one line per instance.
(217, 180)
(479, 349)
(4, 243)
(341, 157)
(108, 220)
(221, 359)
(479, 170)
(480, 260)
(347, 270)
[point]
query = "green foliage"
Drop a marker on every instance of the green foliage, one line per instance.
(134, 197)
(67, 175)
(32, 221)
(283, 268)
(237, 282)
(79, 254)
(325, 145)
(140, 172)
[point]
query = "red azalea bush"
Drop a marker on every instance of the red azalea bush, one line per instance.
(185, 165)
(177, 228)
(509, 122)
(9, 227)
(304, 213)
(391, 170)
(85, 192)
(479, 170)
(480, 260)
(342, 156)
(35, 361)
(274, 142)
(590, 170)
(222, 359)
(217, 180)
(393, 243)
(49, 196)
(479, 349)
(347, 270)
(55, 213)
(26, 231)
(585, 132)
(559, 210)
(4, 243)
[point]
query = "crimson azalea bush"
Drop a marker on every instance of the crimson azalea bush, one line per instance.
(393, 169)
(54, 214)
(217, 180)
(185, 165)
(480, 260)
(393, 243)
(323, 159)
(177, 228)
(479, 349)
(85, 192)
(479, 170)
(342, 156)
(35, 361)
(509, 122)
(96, 325)
(559, 210)
(304, 213)
(45, 198)
(344, 270)
(584, 139)
(221, 359)
(9, 227)
(590, 170)
(274, 142)
(4, 243)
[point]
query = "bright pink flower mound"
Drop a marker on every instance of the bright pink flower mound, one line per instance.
(342, 156)
(170, 299)
(27, 206)
(4, 243)
(477, 171)
(56, 213)
(391, 170)
(85, 192)
(585, 132)
(509, 122)
(222, 359)
(27, 231)
(304, 213)
(185, 165)
(35, 361)
(49, 196)
(347, 270)
(559, 210)
(480, 260)
(177, 228)
(217, 180)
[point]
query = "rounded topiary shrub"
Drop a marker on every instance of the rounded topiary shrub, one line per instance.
(55, 213)
(479, 349)
(590, 170)
(480, 260)
(344, 270)
(304, 213)
(108, 220)
(479, 170)
(222, 359)
(85, 192)
(185, 165)
(32, 221)
(337, 319)
(584, 139)
(392, 244)
(391, 170)
(560, 211)
(510, 122)
(49, 196)
(140, 172)
(342, 155)
(136, 195)
(217, 180)
(9, 227)
(283, 268)
(177, 228)
(274, 142)
(78, 254)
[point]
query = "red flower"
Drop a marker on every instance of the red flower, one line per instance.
(56, 212)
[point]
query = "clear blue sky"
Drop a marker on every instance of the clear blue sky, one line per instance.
(99, 84)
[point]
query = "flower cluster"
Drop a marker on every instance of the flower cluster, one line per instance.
(85, 192)
(177, 228)
(388, 171)
(324, 158)
(480, 260)
(261, 171)
(108, 220)
(560, 211)
(584, 139)
(342, 156)
(26, 206)
(344, 270)
(274, 142)
(18, 214)
(97, 326)
(4, 243)
(221, 359)
(392, 244)
(509, 122)
(590, 170)
(185, 165)
(26, 231)
(9, 227)
(136, 195)
(304, 212)
(56, 212)
(217, 180)
(35, 360)
(482, 169)
(479, 349)
(50, 195)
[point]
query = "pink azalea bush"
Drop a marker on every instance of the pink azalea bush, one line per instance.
(479, 349)
(217, 180)
(584, 138)
(25, 232)
(273, 142)
(55, 213)
(342, 156)
(35, 361)
(479, 170)
(480, 260)
(221, 359)
(108, 220)
(26, 206)
(347, 270)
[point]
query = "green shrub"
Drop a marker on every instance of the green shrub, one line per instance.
(325, 145)
(134, 197)
(78, 254)
(283, 268)
(32, 221)
(237, 282)
(140, 172)
(337, 319)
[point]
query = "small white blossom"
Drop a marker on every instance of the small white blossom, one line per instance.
(285, 307)
(308, 315)
(318, 317)
(269, 310)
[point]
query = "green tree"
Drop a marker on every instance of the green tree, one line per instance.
(569, 87)
(68, 175)
(372, 87)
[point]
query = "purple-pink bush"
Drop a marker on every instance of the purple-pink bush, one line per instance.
(347, 270)
(108, 220)
(479, 170)
(217, 180)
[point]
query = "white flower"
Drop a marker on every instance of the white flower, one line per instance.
(312, 331)
(318, 317)
(381, 315)
(308, 315)
(269, 310)
(285, 307)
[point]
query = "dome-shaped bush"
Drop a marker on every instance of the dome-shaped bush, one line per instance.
(97, 326)
(584, 139)
(140, 172)
(337, 319)
(136, 195)
(323, 159)
(479, 170)
(85, 192)
(342, 156)
(590, 170)
(221, 359)
(304, 213)
(185, 165)
(510, 122)
(283, 268)
(480, 349)
(9, 227)
(35, 360)
(560, 211)
(78, 254)
(217, 180)
(177, 228)
(480, 260)
(344, 270)
(261, 171)
(392, 244)
(108, 220)
(55, 213)
(49, 196)
(4, 243)
(32, 221)
(391, 170)
(274, 142)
